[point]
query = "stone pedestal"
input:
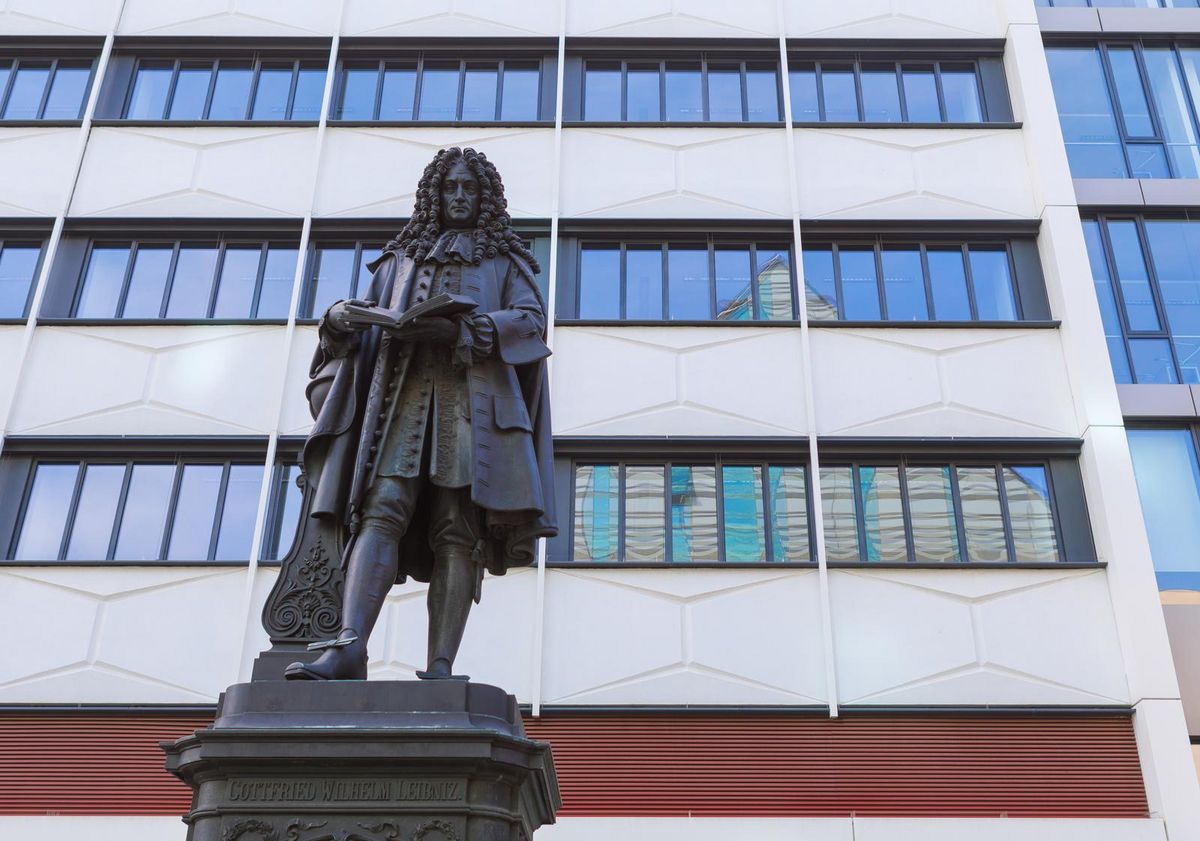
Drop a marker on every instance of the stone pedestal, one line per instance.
(365, 761)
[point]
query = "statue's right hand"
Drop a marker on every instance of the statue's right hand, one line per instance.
(339, 318)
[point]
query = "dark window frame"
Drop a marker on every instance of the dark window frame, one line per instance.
(23, 238)
(14, 60)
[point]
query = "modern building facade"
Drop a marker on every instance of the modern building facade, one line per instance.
(874, 387)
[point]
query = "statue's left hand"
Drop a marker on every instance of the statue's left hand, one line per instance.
(433, 329)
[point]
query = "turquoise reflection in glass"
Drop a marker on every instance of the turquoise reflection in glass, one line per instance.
(773, 279)
(694, 514)
(883, 514)
(788, 494)
(735, 299)
(597, 496)
(742, 497)
(839, 514)
(645, 513)
(1027, 493)
(1168, 479)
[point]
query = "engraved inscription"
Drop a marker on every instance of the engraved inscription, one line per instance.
(344, 791)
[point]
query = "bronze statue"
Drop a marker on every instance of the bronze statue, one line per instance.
(431, 447)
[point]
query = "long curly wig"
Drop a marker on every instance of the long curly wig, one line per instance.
(493, 229)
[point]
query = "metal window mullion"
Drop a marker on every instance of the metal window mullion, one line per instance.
(119, 514)
(668, 520)
(666, 284)
(941, 94)
(418, 86)
(754, 302)
(460, 102)
(767, 511)
(980, 93)
(820, 80)
(622, 282)
(1052, 499)
(837, 279)
(903, 97)
(910, 541)
(41, 109)
(960, 518)
(621, 468)
(719, 480)
(860, 510)
(260, 279)
(164, 547)
(1189, 99)
(856, 69)
(500, 90)
(169, 283)
(704, 103)
(745, 86)
(292, 89)
(662, 91)
(255, 78)
(72, 510)
(712, 279)
(624, 108)
(572, 501)
(6, 91)
(123, 294)
(169, 99)
(880, 286)
(1005, 514)
(219, 512)
(928, 281)
(218, 272)
(965, 250)
(1139, 61)
(1115, 101)
(212, 90)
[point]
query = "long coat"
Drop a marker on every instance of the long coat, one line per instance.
(512, 476)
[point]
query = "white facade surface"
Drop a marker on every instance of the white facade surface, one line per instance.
(454, 18)
(264, 18)
(57, 17)
(896, 19)
(41, 152)
(295, 417)
(672, 19)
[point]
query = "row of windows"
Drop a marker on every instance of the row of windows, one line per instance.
(446, 91)
(226, 90)
(1120, 4)
(886, 92)
(37, 89)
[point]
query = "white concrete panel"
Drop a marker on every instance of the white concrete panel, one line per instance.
(35, 169)
(690, 381)
(965, 636)
(262, 18)
(695, 829)
(1172, 790)
(455, 18)
(895, 381)
(1007, 829)
(894, 19)
(373, 171)
(656, 637)
(57, 17)
(728, 173)
(124, 635)
(94, 828)
(912, 174)
(195, 380)
(10, 342)
(672, 18)
(204, 171)
(295, 417)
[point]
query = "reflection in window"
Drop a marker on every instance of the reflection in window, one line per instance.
(19, 263)
(681, 91)
(1168, 480)
(690, 513)
(884, 92)
(1126, 4)
(909, 282)
(439, 90)
(718, 281)
(191, 280)
(226, 89)
(43, 89)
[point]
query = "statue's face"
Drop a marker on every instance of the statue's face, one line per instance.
(460, 197)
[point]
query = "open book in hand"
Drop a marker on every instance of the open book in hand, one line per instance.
(441, 305)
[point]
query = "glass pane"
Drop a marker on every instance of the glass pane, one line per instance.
(745, 529)
(192, 525)
(191, 288)
(271, 95)
(18, 263)
(145, 514)
(46, 512)
(948, 280)
(331, 279)
(5, 72)
(1105, 295)
(645, 513)
(904, 284)
(600, 283)
(150, 87)
(102, 281)
(231, 92)
(1086, 113)
(693, 514)
(1174, 113)
(276, 294)
(239, 276)
(1168, 481)
(1133, 278)
(735, 301)
(1131, 97)
(1152, 361)
(643, 97)
(685, 102)
(920, 94)
(643, 283)
(1027, 490)
(841, 101)
(688, 289)
(860, 288)
(238, 513)
(762, 94)
(479, 93)
(881, 96)
(820, 293)
(931, 510)
(773, 277)
(148, 281)
(596, 512)
(310, 89)
(67, 92)
(992, 281)
(399, 93)
(1175, 250)
(358, 93)
(92, 530)
(838, 514)
(522, 84)
(1147, 160)
(802, 84)
(25, 95)
(287, 501)
(724, 93)
(191, 92)
(960, 91)
(982, 520)
(789, 513)
(602, 93)
(439, 92)
(883, 514)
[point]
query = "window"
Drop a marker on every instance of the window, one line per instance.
(703, 89)
(283, 518)
(185, 279)
(910, 281)
(43, 89)
(441, 90)
(1128, 110)
(1146, 272)
(651, 280)
(883, 91)
(19, 262)
(1168, 478)
(1121, 4)
(226, 89)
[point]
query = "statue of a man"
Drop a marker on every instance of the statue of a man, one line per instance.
(432, 440)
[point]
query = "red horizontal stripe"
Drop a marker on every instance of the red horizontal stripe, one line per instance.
(926, 765)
